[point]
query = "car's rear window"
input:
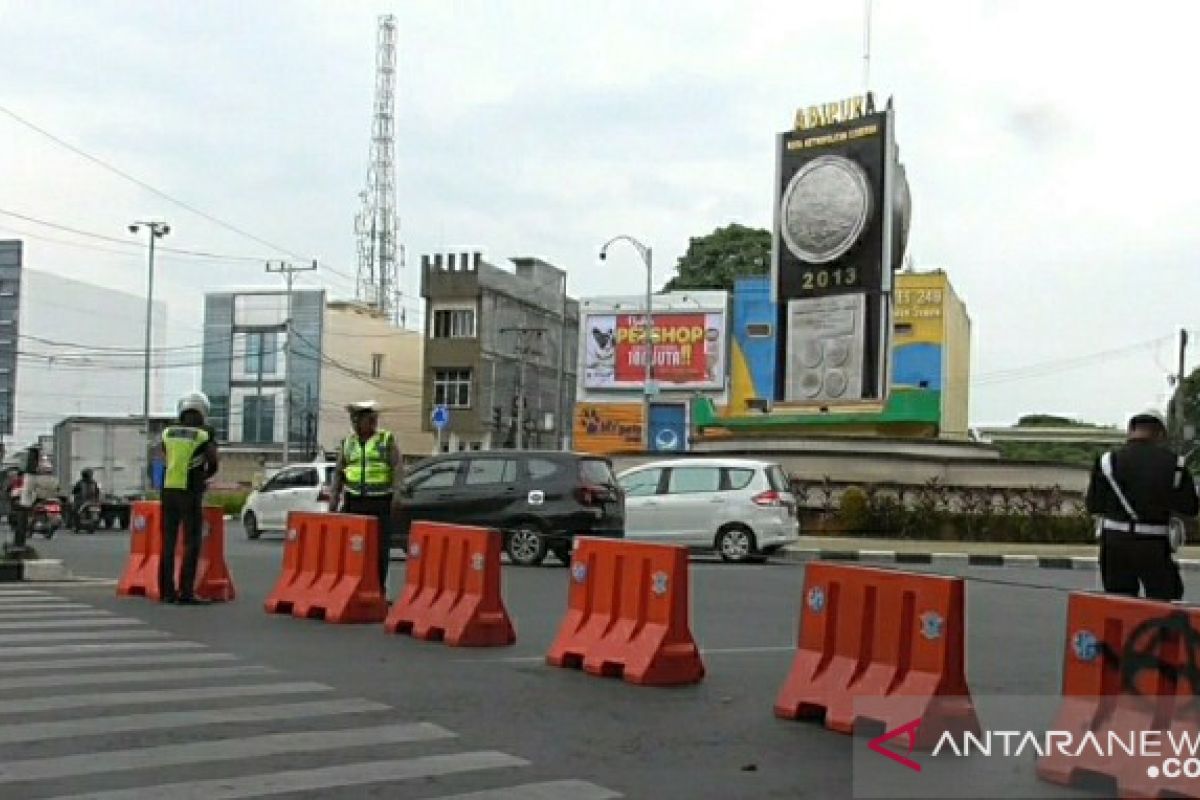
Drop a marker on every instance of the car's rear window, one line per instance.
(595, 471)
(778, 479)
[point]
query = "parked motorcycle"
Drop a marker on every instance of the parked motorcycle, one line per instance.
(46, 517)
(87, 518)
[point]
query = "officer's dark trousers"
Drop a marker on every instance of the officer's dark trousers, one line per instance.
(180, 507)
(379, 507)
(1129, 562)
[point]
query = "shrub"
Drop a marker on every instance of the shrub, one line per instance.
(854, 513)
(231, 502)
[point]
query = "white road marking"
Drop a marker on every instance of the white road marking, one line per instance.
(63, 649)
(550, 790)
(170, 720)
(50, 624)
(144, 660)
(308, 780)
(78, 636)
(151, 696)
(248, 747)
(130, 676)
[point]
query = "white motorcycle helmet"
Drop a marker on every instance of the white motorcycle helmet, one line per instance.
(193, 401)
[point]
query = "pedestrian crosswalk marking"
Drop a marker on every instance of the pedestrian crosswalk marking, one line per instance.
(79, 612)
(79, 636)
(64, 649)
(549, 790)
(173, 720)
(52, 624)
(139, 676)
(308, 780)
(183, 695)
(38, 606)
(225, 749)
(89, 662)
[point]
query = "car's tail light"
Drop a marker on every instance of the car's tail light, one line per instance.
(53, 508)
(769, 498)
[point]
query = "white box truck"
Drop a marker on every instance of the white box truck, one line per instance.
(115, 449)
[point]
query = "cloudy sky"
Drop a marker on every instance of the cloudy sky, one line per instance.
(1048, 147)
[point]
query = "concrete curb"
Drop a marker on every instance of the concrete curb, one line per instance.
(800, 556)
(36, 571)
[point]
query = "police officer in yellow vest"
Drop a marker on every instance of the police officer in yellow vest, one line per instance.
(367, 474)
(190, 452)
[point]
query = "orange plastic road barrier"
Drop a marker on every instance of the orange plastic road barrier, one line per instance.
(1129, 666)
(136, 579)
(330, 569)
(140, 578)
(452, 588)
(881, 634)
(627, 614)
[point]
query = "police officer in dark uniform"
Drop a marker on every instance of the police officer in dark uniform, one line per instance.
(1134, 491)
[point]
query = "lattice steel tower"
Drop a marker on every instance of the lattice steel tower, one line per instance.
(376, 224)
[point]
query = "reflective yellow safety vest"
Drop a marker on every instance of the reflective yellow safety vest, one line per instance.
(367, 469)
(182, 446)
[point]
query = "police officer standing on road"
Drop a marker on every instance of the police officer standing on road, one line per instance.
(365, 480)
(1134, 491)
(190, 451)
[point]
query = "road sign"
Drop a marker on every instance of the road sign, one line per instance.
(440, 417)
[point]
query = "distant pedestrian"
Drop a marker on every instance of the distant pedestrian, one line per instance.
(190, 451)
(367, 475)
(1134, 491)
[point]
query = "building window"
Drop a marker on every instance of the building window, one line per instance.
(262, 350)
(454, 323)
(258, 419)
(452, 388)
(376, 365)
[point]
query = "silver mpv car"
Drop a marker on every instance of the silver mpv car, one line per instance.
(740, 508)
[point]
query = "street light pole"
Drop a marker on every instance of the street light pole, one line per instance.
(157, 231)
(647, 328)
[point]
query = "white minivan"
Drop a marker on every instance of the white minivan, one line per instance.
(299, 487)
(739, 507)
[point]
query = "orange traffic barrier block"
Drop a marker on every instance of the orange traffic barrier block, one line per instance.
(452, 588)
(330, 569)
(885, 635)
(627, 614)
(1129, 667)
(137, 579)
(140, 578)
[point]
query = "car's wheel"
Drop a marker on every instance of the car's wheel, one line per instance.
(250, 523)
(736, 543)
(526, 544)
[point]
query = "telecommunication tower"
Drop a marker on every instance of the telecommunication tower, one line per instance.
(376, 224)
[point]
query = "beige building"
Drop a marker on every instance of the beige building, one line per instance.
(367, 358)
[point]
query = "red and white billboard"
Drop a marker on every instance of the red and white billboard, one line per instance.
(689, 350)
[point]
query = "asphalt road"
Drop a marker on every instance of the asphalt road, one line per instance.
(348, 712)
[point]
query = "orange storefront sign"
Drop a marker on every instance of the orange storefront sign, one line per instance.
(608, 427)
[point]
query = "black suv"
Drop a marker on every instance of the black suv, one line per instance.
(539, 500)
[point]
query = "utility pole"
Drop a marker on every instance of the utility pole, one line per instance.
(157, 231)
(560, 428)
(1178, 404)
(289, 272)
(523, 350)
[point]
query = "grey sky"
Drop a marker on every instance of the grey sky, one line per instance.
(1047, 145)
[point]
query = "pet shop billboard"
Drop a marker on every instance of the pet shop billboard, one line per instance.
(689, 350)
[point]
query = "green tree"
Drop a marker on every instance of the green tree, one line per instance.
(716, 260)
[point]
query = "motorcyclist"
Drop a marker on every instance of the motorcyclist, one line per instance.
(86, 490)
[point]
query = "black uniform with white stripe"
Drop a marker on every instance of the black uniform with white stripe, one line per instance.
(1136, 552)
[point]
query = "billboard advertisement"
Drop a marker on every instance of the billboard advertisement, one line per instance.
(689, 350)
